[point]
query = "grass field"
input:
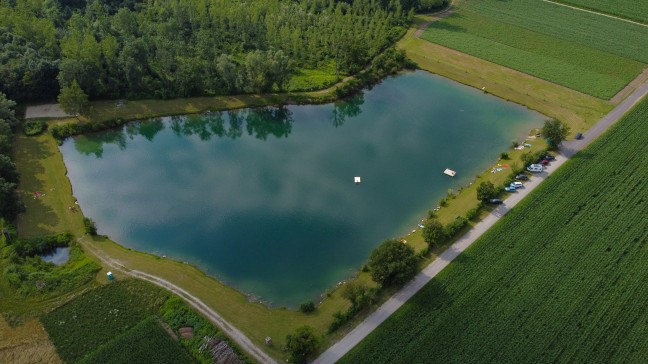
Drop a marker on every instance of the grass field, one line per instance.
(636, 10)
(586, 52)
(26, 343)
(561, 278)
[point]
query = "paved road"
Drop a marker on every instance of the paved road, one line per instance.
(231, 331)
(338, 350)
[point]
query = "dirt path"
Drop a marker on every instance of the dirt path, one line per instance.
(434, 17)
(597, 13)
(568, 149)
(192, 300)
(638, 81)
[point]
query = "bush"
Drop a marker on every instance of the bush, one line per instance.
(455, 226)
(515, 144)
(307, 307)
(34, 127)
(473, 213)
(504, 155)
(90, 226)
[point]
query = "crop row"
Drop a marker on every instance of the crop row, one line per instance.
(591, 30)
(630, 9)
(564, 62)
(561, 278)
(145, 343)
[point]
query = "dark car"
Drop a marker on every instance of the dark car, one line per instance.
(544, 162)
(496, 201)
(522, 177)
(549, 157)
(579, 136)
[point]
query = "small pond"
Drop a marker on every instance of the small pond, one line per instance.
(265, 200)
(59, 256)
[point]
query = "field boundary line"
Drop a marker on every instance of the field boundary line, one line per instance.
(567, 150)
(597, 13)
(230, 330)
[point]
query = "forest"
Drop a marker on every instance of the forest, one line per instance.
(180, 48)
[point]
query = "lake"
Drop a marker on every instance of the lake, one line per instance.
(264, 199)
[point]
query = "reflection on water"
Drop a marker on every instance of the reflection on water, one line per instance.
(59, 256)
(259, 123)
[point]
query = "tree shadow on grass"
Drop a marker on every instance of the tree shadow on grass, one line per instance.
(30, 155)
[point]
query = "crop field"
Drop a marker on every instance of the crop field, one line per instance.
(636, 10)
(561, 278)
(145, 343)
(84, 324)
(586, 52)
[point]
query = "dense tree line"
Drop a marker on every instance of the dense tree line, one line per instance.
(10, 204)
(177, 48)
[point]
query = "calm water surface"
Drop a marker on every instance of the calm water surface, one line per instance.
(264, 199)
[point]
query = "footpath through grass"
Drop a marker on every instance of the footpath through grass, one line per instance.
(586, 52)
(636, 10)
(561, 278)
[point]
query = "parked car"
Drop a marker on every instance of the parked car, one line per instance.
(522, 177)
(535, 168)
(549, 157)
(496, 201)
(516, 185)
(510, 189)
(544, 162)
(579, 136)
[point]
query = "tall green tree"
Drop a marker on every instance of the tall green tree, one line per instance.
(486, 190)
(392, 262)
(555, 131)
(72, 99)
(433, 233)
(301, 344)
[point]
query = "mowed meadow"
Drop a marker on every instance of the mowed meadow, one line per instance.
(636, 10)
(561, 278)
(587, 52)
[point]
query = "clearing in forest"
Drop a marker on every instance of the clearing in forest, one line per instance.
(587, 52)
(530, 292)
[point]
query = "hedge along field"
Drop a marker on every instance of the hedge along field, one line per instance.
(597, 56)
(561, 278)
(636, 10)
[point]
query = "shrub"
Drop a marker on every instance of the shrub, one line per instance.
(34, 127)
(301, 344)
(473, 213)
(307, 307)
(433, 233)
(504, 155)
(455, 226)
(90, 226)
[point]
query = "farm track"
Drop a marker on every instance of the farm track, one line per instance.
(596, 12)
(568, 149)
(231, 331)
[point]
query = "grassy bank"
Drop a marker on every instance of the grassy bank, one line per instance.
(579, 110)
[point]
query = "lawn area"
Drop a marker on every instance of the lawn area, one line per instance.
(586, 52)
(636, 10)
(561, 278)
(577, 109)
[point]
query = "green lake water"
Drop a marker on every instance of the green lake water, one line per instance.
(264, 199)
